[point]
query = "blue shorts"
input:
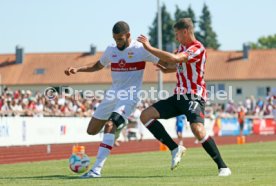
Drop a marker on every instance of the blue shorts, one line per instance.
(179, 128)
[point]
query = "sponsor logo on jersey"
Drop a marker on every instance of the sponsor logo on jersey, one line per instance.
(122, 66)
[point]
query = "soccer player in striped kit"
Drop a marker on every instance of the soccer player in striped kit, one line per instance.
(190, 92)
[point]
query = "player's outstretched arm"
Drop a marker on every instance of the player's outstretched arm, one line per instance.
(87, 68)
(166, 67)
(164, 70)
(163, 55)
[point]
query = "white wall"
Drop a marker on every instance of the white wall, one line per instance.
(54, 130)
(248, 87)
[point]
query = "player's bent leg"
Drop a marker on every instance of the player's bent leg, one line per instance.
(114, 122)
(210, 147)
(95, 126)
(148, 118)
(148, 114)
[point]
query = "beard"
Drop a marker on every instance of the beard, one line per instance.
(122, 47)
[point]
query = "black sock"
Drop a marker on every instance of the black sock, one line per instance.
(211, 148)
(159, 132)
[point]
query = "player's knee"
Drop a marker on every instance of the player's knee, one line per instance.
(116, 120)
(92, 131)
(198, 130)
(148, 114)
(109, 125)
(93, 127)
(144, 117)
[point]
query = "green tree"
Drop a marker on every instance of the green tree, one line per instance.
(167, 29)
(206, 35)
(179, 13)
(184, 13)
(191, 14)
(265, 42)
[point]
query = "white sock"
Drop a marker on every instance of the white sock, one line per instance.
(103, 152)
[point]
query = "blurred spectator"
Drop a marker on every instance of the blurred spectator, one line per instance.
(230, 107)
(28, 103)
(253, 105)
(181, 122)
(39, 108)
(241, 118)
(135, 128)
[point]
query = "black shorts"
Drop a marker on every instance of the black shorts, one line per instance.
(191, 105)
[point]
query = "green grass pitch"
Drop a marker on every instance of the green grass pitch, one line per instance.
(251, 164)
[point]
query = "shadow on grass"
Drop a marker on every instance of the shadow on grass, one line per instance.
(68, 177)
(48, 177)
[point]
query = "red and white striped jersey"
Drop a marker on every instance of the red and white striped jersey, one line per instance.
(190, 75)
(127, 66)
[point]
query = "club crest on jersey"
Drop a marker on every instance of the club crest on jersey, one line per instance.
(190, 52)
(114, 55)
(130, 54)
(122, 63)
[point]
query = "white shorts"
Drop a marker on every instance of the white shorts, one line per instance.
(122, 107)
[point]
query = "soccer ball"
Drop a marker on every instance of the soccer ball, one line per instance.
(79, 163)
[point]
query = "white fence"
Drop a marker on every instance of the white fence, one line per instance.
(16, 131)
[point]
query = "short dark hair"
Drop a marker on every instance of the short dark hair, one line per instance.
(120, 27)
(185, 23)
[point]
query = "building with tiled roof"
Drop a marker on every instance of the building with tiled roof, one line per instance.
(243, 73)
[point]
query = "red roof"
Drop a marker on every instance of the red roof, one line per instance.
(220, 66)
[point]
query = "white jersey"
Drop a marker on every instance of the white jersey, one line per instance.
(127, 66)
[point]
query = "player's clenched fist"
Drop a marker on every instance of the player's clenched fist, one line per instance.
(71, 70)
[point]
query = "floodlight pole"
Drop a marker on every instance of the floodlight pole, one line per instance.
(159, 40)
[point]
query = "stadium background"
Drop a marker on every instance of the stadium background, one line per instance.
(33, 128)
(25, 77)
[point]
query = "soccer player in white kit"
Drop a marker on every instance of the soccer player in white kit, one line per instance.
(127, 59)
